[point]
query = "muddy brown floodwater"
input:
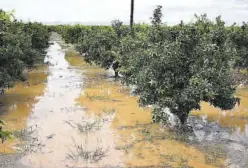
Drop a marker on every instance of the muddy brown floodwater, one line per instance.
(80, 118)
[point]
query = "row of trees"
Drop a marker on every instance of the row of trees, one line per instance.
(173, 67)
(22, 45)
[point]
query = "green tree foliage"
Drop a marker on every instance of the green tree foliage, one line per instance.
(39, 35)
(174, 67)
(239, 37)
(188, 65)
(11, 53)
(21, 45)
(101, 46)
(101, 49)
(4, 135)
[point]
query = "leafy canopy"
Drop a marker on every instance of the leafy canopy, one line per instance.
(181, 66)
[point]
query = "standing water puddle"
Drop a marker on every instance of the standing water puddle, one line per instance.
(56, 116)
(81, 118)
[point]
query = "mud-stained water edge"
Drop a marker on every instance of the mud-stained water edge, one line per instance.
(75, 115)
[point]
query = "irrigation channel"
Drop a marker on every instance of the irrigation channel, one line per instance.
(75, 115)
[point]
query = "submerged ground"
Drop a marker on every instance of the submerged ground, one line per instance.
(75, 115)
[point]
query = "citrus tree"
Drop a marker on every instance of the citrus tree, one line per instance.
(11, 52)
(239, 37)
(21, 46)
(190, 64)
(102, 47)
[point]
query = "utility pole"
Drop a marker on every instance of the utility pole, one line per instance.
(132, 13)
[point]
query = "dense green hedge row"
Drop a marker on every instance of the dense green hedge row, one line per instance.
(22, 45)
(173, 67)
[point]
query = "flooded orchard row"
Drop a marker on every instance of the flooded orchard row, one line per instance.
(75, 115)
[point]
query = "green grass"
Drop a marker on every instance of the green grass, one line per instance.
(109, 111)
(86, 126)
(93, 97)
(80, 152)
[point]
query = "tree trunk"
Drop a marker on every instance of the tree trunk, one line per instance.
(183, 119)
(116, 73)
(132, 13)
(115, 67)
(2, 91)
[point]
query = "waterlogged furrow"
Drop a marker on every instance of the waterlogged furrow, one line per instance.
(66, 137)
(19, 101)
(237, 118)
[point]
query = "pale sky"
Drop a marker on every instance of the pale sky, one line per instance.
(104, 11)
